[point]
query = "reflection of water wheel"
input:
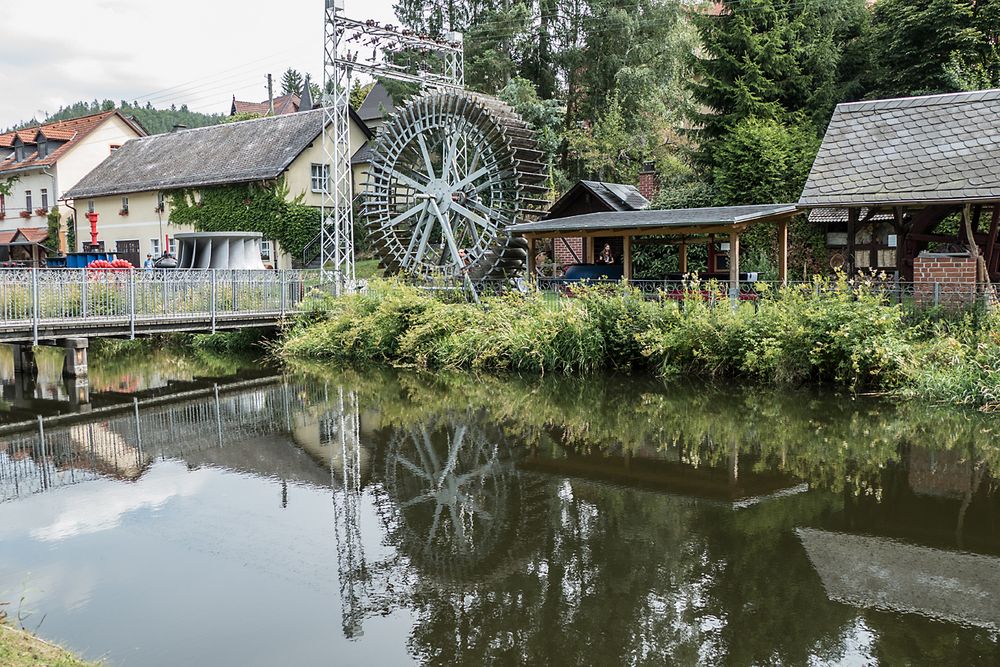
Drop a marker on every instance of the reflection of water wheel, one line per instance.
(449, 173)
(454, 497)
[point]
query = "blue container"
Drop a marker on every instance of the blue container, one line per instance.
(79, 260)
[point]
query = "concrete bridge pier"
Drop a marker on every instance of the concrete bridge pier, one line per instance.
(24, 359)
(75, 357)
(78, 391)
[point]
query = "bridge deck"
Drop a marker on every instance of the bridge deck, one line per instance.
(40, 304)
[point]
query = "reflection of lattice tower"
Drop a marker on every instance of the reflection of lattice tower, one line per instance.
(343, 39)
(340, 431)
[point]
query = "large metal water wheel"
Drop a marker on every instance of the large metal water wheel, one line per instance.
(449, 172)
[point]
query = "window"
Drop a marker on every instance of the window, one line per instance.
(172, 248)
(3, 205)
(154, 247)
(320, 177)
(265, 251)
(45, 199)
(27, 201)
(124, 204)
(160, 202)
(90, 206)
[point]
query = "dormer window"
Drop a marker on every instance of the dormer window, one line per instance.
(43, 148)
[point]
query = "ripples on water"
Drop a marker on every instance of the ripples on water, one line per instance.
(171, 513)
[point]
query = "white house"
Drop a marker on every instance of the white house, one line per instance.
(49, 159)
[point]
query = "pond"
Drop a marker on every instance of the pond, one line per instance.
(201, 511)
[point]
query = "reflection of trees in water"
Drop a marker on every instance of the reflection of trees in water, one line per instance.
(523, 568)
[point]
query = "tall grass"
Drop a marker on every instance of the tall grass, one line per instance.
(834, 333)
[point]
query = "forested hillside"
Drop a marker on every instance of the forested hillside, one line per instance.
(156, 121)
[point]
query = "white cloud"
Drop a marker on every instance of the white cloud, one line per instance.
(194, 52)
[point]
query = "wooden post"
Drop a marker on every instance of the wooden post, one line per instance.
(682, 260)
(900, 243)
(532, 269)
(588, 250)
(734, 264)
(852, 230)
(627, 257)
(783, 252)
(991, 241)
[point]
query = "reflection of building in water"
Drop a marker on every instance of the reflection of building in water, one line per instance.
(195, 425)
(909, 549)
(879, 573)
(741, 486)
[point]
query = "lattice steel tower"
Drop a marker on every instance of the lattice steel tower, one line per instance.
(441, 65)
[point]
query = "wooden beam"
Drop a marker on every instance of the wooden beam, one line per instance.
(991, 241)
(682, 258)
(588, 250)
(900, 229)
(852, 229)
(734, 263)
(783, 252)
(627, 257)
(532, 268)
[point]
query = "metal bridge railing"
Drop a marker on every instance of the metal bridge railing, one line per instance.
(47, 296)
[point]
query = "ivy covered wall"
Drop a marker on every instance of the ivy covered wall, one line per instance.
(248, 207)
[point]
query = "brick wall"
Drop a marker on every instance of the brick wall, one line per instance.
(563, 255)
(944, 278)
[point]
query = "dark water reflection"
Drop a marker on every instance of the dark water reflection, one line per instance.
(331, 517)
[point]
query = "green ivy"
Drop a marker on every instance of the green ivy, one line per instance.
(52, 242)
(251, 207)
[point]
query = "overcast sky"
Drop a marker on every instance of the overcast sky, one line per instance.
(194, 52)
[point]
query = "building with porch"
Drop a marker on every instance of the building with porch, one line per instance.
(914, 176)
(130, 191)
(48, 160)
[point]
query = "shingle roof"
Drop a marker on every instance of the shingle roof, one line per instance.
(251, 150)
(32, 234)
(618, 196)
(718, 216)
(614, 196)
(70, 131)
(840, 215)
(932, 149)
(376, 104)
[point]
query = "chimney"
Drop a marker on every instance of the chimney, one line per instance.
(270, 96)
(649, 182)
(178, 126)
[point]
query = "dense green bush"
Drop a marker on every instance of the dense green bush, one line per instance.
(827, 333)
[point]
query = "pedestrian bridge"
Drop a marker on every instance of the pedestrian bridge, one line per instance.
(39, 305)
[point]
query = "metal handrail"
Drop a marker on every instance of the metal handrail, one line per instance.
(131, 297)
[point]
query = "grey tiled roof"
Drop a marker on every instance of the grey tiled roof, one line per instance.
(618, 196)
(676, 217)
(376, 104)
(935, 149)
(251, 150)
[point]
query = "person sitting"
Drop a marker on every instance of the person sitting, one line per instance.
(606, 256)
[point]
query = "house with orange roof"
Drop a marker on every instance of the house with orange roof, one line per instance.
(48, 160)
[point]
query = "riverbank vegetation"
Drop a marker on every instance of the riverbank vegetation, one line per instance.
(22, 649)
(832, 333)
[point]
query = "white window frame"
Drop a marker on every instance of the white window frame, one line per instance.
(265, 251)
(319, 177)
(45, 198)
(28, 202)
(172, 248)
(90, 206)
(154, 247)
(125, 204)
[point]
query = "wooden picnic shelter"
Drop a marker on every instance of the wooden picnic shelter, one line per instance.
(673, 226)
(911, 175)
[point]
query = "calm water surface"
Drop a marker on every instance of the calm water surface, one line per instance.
(189, 511)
